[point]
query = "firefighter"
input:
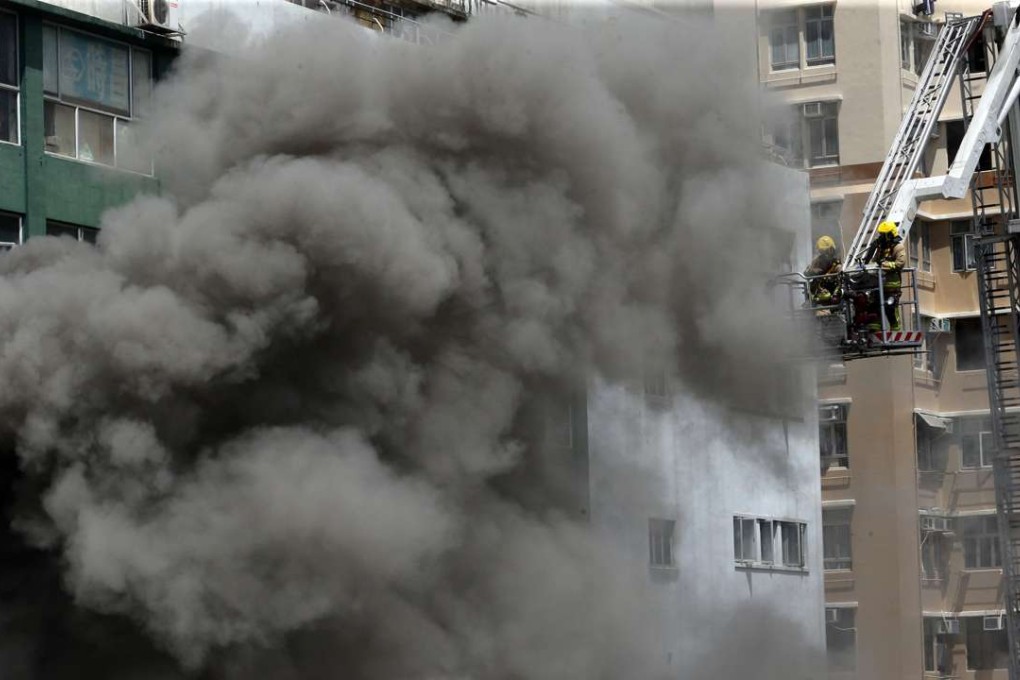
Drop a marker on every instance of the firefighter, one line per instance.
(891, 256)
(824, 291)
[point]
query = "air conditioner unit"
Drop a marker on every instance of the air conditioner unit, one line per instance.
(992, 622)
(948, 627)
(936, 325)
(812, 109)
(831, 615)
(160, 15)
(935, 524)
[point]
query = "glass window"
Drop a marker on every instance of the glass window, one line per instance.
(832, 435)
(51, 67)
(59, 230)
(962, 235)
(920, 246)
(818, 35)
(784, 41)
(10, 231)
(980, 542)
(744, 547)
(793, 543)
(905, 44)
(101, 76)
(94, 72)
(660, 542)
(8, 49)
(767, 541)
(841, 638)
(823, 134)
(937, 652)
(986, 649)
(8, 116)
(970, 348)
(141, 83)
(78, 233)
(932, 555)
(58, 122)
(836, 539)
(9, 79)
(977, 445)
(95, 137)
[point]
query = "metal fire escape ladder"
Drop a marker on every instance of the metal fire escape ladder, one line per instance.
(915, 130)
(999, 291)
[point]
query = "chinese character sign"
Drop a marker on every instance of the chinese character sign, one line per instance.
(94, 72)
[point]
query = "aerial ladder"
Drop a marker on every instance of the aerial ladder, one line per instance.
(992, 119)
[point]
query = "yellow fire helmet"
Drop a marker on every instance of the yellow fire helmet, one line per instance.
(825, 243)
(889, 228)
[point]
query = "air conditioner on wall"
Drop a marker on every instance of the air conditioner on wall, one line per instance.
(992, 622)
(948, 627)
(159, 15)
(812, 109)
(935, 524)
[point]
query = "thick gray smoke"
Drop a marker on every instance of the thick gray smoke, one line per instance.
(283, 418)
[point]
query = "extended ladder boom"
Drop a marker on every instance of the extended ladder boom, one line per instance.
(897, 193)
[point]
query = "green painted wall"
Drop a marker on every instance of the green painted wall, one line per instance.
(41, 186)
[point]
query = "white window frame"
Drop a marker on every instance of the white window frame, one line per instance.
(116, 118)
(979, 535)
(16, 89)
(961, 235)
(827, 14)
(795, 21)
(768, 543)
(661, 543)
(21, 231)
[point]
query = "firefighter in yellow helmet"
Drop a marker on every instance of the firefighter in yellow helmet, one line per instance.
(889, 253)
(822, 272)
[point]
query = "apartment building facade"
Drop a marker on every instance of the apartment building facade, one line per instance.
(71, 88)
(913, 580)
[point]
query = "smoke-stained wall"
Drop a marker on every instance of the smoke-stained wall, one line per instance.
(660, 454)
(283, 421)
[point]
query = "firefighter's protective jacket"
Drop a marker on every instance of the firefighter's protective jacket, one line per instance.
(892, 257)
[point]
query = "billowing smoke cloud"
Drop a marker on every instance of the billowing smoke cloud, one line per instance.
(286, 418)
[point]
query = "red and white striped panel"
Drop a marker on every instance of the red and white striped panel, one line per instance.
(898, 337)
